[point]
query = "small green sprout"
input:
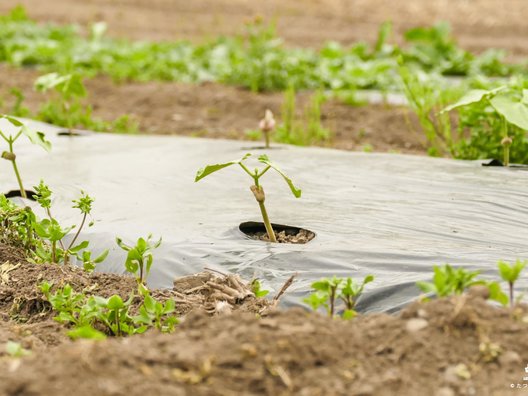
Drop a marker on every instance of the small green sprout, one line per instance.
(328, 290)
(153, 313)
(256, 188)
(38, 138)
(139, 258)
(448, 281)
(256, 288)
(15, 349)
(267, 125)
(510, 273)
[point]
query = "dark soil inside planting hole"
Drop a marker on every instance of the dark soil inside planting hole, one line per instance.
(283, 233)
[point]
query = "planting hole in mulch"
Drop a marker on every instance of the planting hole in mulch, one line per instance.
(73, 133)
(16, 193)
(283, 233)
(499, 163)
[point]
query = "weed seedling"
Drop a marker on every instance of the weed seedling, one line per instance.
(38, 138)
(448, 281)
(49, 229)
(329, 290)
(153, 313)
(510, 273)
(256, 288)
(139, 258)
(256, 188)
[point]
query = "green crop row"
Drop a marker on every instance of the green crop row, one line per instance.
(257, 60)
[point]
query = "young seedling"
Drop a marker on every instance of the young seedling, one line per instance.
(15, 350)
(38, 138)
(510, 273)
(256, 188)
(448, 281)
(267, 125)
(256, 288)
(328, 290)
(139, 258)
(50, 229)
(153, 313)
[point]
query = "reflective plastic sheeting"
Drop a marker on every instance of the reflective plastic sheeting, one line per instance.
(389, 215)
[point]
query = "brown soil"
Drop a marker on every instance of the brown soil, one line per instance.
(217, 111)
(301, 237)
(457, 346)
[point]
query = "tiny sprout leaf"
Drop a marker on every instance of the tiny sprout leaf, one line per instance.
(265, 160)
(216, 167)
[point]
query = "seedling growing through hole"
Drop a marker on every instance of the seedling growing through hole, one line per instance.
(329, 290)
(256, 188)
(510, 273)
(139, 258)
(38, 138)
(267, 125)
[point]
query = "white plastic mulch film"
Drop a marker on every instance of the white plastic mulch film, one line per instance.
(392, 216)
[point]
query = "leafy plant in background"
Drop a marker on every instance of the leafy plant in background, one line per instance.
(257, 60)
(50, 230)
(256, 188)
(329, 290)
(38, 138)
(510, 273)
(139, 257)
(306, 129)
(426, 97)
(509, 104)
(68, 109)
(18, 109)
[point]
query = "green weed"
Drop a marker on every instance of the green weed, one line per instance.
(139, 257)
(329, 290)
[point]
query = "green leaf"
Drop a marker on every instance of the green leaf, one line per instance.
(216, 167)
(102, 257)
(12, 120)
(115, 302)
(14, 349)
(265, 160)
(496, 293)
(86, 332)
(515, 111)
(79, 247)
(38, 138)
(473, 96)
(349, 314)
